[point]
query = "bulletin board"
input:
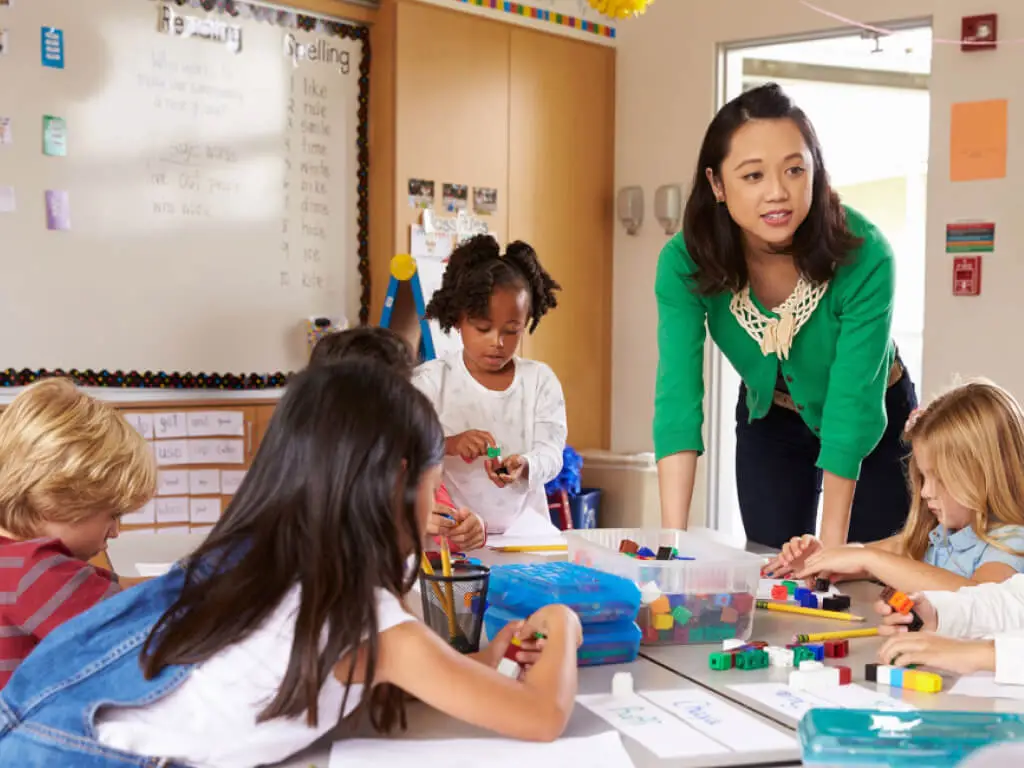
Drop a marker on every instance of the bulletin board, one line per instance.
(183, 186)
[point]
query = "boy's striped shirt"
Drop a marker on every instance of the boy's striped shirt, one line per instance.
(42, 585)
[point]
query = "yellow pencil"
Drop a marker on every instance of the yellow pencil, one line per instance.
(537, 548)
(429, 570)
(769, 605)
(446, 570)
(845, 634)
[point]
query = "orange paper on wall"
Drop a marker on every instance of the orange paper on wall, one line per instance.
(977, 140)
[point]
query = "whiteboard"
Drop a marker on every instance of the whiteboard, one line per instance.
(212, 181)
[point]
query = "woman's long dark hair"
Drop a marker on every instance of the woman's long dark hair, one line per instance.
(715, 242)
(328, 505)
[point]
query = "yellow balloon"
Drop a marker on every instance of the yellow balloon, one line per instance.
(620, 9)
(403, 266)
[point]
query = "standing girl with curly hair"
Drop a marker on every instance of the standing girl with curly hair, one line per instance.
(489, 398)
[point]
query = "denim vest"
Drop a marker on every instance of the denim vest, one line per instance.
(48, 708)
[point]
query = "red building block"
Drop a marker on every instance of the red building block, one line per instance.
(743, 602)
(837, 649)
(845, 676)
(779, 592)
(627, 545)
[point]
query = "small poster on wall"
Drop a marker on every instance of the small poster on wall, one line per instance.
(58, 210)
(455, 197)
(485, 200)
(421, 193)
(55, 136)
(6, 131)
(52, 47)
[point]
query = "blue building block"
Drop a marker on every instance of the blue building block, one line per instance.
(809, 601)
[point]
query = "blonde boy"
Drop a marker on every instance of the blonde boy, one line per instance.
(70, 466)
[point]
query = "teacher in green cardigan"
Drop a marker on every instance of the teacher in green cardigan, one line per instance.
(797, 291)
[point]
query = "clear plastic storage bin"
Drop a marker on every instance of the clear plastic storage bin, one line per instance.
(706, 599)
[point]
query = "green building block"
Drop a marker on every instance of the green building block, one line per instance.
(802, 654)
(755, 659)
(720, 661)
(493, 452)
(666, 635)
(681, 614)
(697, 635)
(790, 586)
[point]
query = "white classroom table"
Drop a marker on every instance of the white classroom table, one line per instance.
(691, 662)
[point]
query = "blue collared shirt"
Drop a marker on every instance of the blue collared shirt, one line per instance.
(962, 552)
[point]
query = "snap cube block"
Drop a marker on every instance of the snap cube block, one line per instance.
(818, 649)
(837, 649)
(649, 592)
(884, 674)
(790, 586)
(810, 664)
(720, 661)
(509, 668)
(663, 621)
(845, 675)
(802, 653)
(927, 682)
(897, 600)
(800, 592)
(666, 635)
(810, 600)
(665, 553)
(779, 657)
(753, 659)
(645, 552)
(838, 603)
(622, 684)
(871, 673)
(676, 600)
(661, 605)
(758, 644)
(779, 592)
(722, 600)
(697, 635)
(730, 615)
(916, 622)
(629, 547)
(822, 585)
(680, 614)
(896, 677)
(680, 634)
(650, 634)
(743, 602)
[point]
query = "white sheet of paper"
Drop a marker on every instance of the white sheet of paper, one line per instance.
(983, 685)
(172, 509)
(174, 530)
(169, 424)
(142, 423)
(204, 482)
(149, 570)
(8, 201)
(781, 698)
(764, 588)
(170, 453)
(204, 510)
(216, 424)
(721, 721)
(208, 451)
(602, 751)
(503, 540)
(144, 516)
(657, 730)
(230, 479)
(855, 696)
(172, 482)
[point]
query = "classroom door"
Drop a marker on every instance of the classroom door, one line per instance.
(561, 163)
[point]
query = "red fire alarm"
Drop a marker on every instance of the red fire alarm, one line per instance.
(978, 33)
(967, 276)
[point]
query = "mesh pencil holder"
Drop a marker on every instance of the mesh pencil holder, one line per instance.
(454, 606)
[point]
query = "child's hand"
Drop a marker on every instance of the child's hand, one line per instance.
(470, 444)
(468, 532)
(441, 521)
(530, 646)
(794, 553)
(894, 622)
(557, 618)
(515, 468)
(960, 656)
(848, 560)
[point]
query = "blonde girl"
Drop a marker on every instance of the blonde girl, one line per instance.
(966, 523)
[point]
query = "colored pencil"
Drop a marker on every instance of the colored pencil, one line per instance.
(845, 634)
(446, 570)
(429, 570)
(769, 605)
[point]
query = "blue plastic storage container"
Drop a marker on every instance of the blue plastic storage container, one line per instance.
(594, 595)
(841, 737)
(614, 642)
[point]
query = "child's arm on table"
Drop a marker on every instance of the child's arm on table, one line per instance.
(896, 570)
(537, 708)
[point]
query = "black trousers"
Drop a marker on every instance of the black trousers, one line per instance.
(779, 485)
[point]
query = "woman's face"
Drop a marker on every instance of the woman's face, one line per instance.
(766, 181)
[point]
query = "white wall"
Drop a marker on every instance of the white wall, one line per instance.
(665, 98)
